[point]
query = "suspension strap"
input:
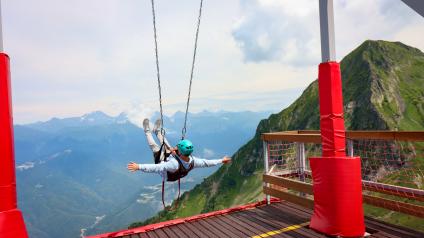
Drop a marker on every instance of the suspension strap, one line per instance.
(163, 194)
(176, 201)
(179, 191)
(162, 131)
(184, 130)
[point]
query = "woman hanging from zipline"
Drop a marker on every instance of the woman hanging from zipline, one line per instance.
(172, 163)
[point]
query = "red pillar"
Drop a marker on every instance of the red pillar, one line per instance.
(336, 178)
(11, 221)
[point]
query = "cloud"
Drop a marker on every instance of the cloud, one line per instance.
(145, 198)
(208, 153)
(138, 112)
(288, 31)
(72, 57)
(25, 166)
(379, 20)
(273, 100)
(278, 31)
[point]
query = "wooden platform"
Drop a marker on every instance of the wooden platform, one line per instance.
(280, 219)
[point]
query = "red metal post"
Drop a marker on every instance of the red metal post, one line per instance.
(331, 110)
(11, 221)
(337, 178)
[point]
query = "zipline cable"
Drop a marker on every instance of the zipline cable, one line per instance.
(162, 131)
(184, 130)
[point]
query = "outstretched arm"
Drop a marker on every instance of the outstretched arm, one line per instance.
(170, 166)
(201, 163)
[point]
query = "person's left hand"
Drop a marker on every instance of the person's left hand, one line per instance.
(132, 166)
(226, 160)
(174, 151)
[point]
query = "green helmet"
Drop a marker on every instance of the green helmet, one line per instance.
(185, 147)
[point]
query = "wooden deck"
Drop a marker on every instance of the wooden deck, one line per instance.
(281, 219)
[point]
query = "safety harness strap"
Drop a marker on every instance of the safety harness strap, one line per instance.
(163, 196)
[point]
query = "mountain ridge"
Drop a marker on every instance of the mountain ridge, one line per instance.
(101, 118)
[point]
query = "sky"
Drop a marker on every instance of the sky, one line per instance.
(69, 58)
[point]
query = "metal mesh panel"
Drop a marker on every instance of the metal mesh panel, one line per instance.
(390, 169)
(383, 161)
(312, 150)
(286, 159)
(391, 162)
(282, 157)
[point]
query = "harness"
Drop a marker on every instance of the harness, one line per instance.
(181, 172)
(157, 154)
(171, 177)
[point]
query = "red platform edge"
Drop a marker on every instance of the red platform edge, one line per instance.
(181, 220)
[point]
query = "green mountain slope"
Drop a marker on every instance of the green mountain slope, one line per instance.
(382, 84)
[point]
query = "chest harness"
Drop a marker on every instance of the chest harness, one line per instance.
(173, 176)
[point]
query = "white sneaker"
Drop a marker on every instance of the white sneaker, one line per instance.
(157, 130)
(157, 126)
(146, 125)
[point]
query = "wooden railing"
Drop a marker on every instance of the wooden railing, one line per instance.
(278, 186)
(290, 188)
(315, 136)
(283, 188)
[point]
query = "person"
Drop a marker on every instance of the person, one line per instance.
(172, 163)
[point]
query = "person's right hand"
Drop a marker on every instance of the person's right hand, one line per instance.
(132, 166)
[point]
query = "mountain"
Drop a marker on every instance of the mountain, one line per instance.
(72, 177)
(89, 119)
(382, 89)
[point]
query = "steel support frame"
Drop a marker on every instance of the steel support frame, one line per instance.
(349, 147)
(301, 160)
(266, 167)
(416, 5)
(326, 19)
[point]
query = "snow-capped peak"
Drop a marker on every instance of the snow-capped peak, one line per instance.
(96, 116)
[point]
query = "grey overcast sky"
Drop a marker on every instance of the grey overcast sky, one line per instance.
(73, 57)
